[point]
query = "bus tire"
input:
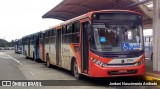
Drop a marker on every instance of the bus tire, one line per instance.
(76, 74)
(47, 61)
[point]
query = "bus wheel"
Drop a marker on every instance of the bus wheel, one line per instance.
(77, 75)
(47, 60)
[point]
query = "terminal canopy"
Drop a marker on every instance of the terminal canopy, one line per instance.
(68, 9)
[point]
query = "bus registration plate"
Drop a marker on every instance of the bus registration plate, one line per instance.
(122, 71)
(129, 60)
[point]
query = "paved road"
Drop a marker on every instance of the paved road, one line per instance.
(16, 67)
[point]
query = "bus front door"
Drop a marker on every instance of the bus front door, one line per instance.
(84, 47)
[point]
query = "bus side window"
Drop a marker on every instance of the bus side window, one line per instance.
(69, 34)
(54, 36)
(63, 34)
(40, 37)
(75, 32)
(50, 36)
(69, 28)
(46, 37)
(32, 40)
(64, 30)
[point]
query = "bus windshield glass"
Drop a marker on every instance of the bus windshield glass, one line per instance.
(116, 32)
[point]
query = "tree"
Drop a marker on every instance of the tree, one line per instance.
(3, 43)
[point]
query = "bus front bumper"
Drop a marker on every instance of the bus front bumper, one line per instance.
(97, 71)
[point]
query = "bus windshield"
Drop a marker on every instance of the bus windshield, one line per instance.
(122, 33)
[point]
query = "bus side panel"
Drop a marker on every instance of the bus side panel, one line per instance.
(37, 51)
(23, 47)
(76, 52)
(16, 47)
(46, 51)
(66, 56)
(26, 50)
(31, 50)
(23, 51)
(53, 54)
(41, 49)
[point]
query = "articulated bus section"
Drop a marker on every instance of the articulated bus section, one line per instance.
(18, 46)
(25, 42)
(31, 46)
(107, 43)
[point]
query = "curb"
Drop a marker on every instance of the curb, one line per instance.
(152, 78)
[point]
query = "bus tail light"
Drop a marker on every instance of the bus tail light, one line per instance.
(99, 63)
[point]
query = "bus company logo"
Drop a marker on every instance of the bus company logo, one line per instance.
(6, 83)
(122, 61)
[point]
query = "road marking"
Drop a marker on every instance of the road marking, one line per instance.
(5, 57)
(152, 74)
(13, 59)
(33, 73)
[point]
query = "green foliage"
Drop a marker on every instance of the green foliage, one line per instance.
(4, 43)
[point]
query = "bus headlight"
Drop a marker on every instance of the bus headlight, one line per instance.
(141, 62)
(99, 63)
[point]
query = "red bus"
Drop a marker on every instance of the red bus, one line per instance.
(106, 43)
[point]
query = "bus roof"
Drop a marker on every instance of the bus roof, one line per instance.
(31, 35)
(89, 15)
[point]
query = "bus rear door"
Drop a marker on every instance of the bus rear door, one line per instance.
(58, 47)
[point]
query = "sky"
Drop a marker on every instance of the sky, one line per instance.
(22, 17)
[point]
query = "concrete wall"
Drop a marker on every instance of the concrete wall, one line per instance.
(156, 34)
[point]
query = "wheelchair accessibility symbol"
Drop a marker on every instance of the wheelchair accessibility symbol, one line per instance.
(131, 46)
(125, 46)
